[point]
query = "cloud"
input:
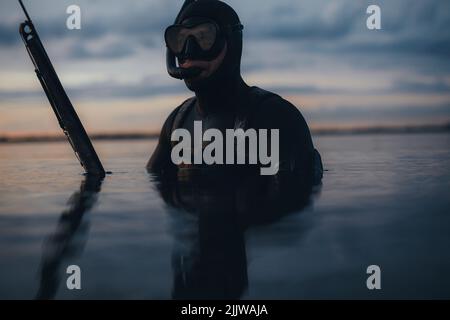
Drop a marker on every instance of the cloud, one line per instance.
(423, 28)
(380, 112)
(99, 19)
(9, 34)
(317, 42)
(145, 88)
(111, 89)
(115, 49)
(307, 21)
(426, 87)
(340, 26)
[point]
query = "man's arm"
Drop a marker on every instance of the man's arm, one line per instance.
(296, 146)
(160, 160)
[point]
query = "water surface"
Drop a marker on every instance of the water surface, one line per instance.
(384, 201)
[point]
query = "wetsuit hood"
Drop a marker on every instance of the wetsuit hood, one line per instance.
(229, 70)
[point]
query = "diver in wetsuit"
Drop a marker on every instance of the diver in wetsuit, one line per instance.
(206, 39)
(209, 219)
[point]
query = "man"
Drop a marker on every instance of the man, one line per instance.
(206, 39)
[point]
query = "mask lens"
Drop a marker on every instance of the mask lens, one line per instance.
(205, 35)
(175, 38)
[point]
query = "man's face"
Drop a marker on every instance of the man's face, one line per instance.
(208, 67)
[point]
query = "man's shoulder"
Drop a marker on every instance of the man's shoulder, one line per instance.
(180, 109)
(185, 104)
(272, 107)
(174, 116)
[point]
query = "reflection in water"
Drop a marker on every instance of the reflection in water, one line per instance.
(61, 245)
(209, 259)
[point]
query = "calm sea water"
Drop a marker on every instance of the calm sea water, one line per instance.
(384, 201)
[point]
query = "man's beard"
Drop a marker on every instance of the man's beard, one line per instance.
(199, 85)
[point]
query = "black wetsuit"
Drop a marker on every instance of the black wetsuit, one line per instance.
(224, 101)
(211, 257)
(273, 112)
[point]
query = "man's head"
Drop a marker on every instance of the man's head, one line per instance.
(207, 37)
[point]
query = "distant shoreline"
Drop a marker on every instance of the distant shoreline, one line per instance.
(317, 132)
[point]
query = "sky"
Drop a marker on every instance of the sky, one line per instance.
(318, 54)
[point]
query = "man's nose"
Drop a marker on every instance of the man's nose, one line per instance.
(191, 48)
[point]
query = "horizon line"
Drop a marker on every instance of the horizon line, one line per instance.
(105, 136)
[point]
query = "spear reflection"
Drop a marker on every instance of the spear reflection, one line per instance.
(60, 245)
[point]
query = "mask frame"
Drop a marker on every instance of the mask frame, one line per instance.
(182, 73)
(196, 44)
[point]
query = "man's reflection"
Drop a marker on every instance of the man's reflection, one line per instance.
(60, 245)
(209, 260)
